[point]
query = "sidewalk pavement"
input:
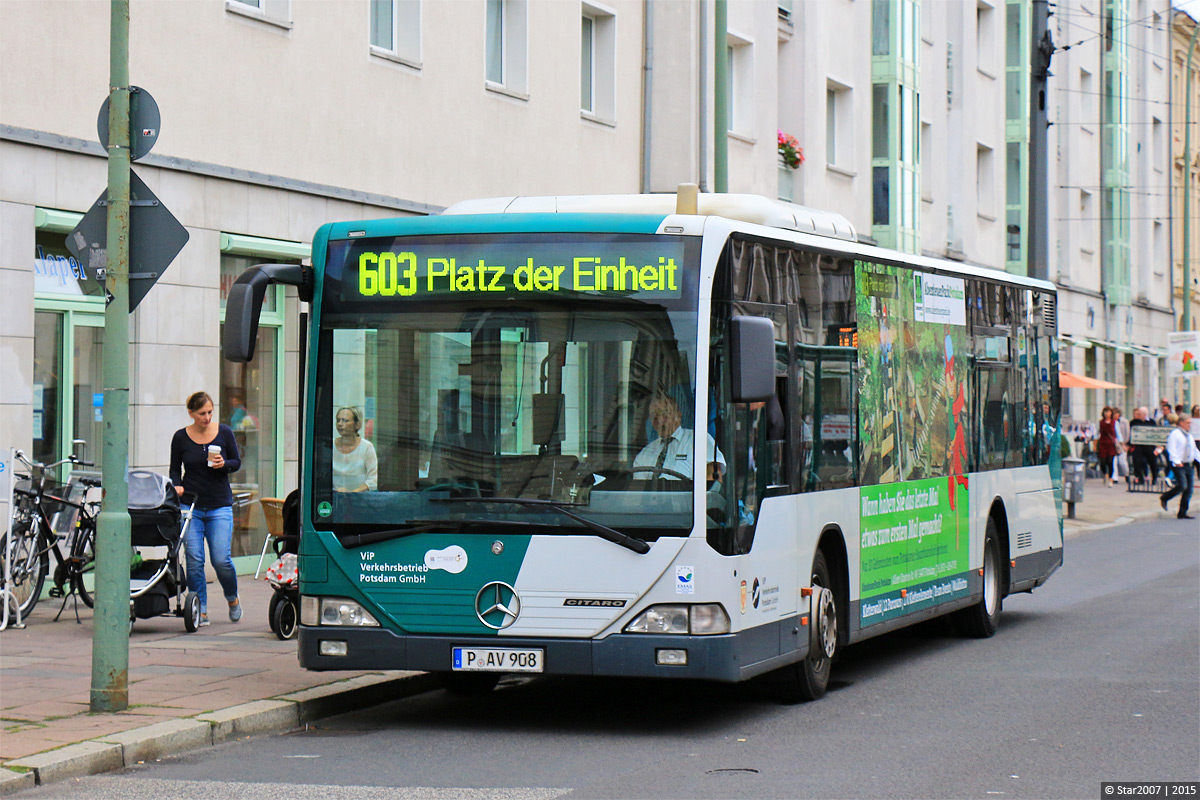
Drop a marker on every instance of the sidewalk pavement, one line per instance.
(1105, 507)
(194, 690)
(186, 690)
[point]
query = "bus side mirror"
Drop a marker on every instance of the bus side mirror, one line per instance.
(244, 304)
(752, 344)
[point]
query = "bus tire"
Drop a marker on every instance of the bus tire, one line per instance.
(981, 620)
(468, 684)
(807, 680)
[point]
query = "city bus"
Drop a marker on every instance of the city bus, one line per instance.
(707, 437)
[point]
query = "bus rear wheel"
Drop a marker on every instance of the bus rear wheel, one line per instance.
(981, 620)
(808, 679)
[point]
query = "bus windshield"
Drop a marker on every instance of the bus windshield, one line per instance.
(457, 375)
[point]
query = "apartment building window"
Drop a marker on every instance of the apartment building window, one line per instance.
(1158, 157)
(985, 38)
(1087, 221)
(1087, 99)
(275, 12)
(839, 132)
(741, 84)
(396, 29)
(597, 62)
(985, 183)
(506, 36)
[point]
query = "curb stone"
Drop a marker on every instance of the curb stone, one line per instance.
(360, 692)
(161, 739)
(173, 737)
(258, 716)
(12, 781)
(72, 761)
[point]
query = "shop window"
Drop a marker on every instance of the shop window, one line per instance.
(250, 403)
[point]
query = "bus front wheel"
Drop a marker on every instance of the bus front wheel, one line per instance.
(981, 620)
(808, 679)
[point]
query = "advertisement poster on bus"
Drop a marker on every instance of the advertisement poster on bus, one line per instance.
(914, 428)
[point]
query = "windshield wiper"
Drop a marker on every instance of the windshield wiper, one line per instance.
(603, 531)
(374, 537)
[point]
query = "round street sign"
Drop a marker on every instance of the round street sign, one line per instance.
(144, 122)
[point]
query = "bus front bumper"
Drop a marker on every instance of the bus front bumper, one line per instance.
(728, 657)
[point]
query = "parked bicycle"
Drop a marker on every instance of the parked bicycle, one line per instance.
(46, 521)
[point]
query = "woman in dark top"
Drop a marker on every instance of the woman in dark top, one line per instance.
(202, 456)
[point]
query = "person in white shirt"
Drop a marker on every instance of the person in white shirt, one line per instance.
(355, 466)
(1180, 452)
(673, 449)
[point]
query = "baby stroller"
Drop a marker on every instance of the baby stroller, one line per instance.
(283, 575)
(154, 582)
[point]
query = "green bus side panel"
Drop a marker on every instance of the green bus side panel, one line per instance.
(425, 583)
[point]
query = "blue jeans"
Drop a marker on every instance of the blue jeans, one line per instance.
(216, 526)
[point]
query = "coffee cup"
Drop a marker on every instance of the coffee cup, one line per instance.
(214, 450)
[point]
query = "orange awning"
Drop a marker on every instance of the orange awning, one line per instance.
(1069, 380)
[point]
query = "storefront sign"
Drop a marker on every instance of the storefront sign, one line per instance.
(1183, 354)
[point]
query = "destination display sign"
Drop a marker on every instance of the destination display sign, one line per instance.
(646, 269)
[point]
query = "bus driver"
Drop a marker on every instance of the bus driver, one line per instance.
(672, 450)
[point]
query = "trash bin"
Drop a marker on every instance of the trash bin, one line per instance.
(1073, 475)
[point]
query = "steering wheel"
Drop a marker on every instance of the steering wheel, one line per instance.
(662, 471)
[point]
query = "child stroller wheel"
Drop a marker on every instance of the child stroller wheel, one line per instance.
(276, 599)
(191, 613)
(283, 621)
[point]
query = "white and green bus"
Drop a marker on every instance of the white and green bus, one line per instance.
(652, 436)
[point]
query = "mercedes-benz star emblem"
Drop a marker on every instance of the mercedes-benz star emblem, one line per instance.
(497, 605)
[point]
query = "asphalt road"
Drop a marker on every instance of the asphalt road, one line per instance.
(1095, 677)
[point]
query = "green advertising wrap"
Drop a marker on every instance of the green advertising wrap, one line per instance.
(913, 413)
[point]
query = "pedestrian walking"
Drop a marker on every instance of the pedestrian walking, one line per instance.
(1106, 444)
(1121, 464)
(1145, 456)
(202, 456)
(1181, 452)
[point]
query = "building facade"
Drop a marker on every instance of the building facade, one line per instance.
(1185, 179)
(912, 115)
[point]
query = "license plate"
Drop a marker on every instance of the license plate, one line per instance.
(496, 659)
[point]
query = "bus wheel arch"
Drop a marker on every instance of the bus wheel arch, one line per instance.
(981, 619)
(808, 679)
(999, 514)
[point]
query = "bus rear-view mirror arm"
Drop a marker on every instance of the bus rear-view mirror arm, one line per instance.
(752, 346)
(245, 300)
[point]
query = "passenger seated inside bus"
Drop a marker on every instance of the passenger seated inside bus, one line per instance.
(669, 456)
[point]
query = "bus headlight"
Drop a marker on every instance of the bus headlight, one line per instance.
(698, 620)
(346, 613)
(709, 618)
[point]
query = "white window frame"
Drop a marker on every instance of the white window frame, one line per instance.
(272, 12)
(985, 182)
(604, 63)
(841, 127)
(514, 50)
(741, 84)
(985, 38)
(405, 34)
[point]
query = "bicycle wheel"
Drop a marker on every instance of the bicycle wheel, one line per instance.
(83, 562)
(29, 569)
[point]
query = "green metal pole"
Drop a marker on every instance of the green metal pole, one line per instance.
(1187, 202)
(720, 97)
(110, 629)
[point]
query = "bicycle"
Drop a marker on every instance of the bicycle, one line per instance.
(36, 532)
